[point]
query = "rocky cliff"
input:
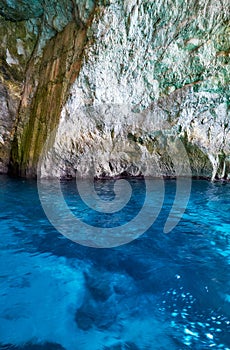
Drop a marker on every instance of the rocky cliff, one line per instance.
(109, 87)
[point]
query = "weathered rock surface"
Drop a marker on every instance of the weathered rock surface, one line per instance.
(16, 46)
(117, 86)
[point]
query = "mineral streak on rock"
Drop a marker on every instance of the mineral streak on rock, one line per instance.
(96, 78)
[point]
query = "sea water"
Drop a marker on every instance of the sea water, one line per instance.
(158, 292)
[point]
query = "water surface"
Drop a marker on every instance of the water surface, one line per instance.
(159, 292)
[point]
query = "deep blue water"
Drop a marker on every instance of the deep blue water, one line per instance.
(161, 291)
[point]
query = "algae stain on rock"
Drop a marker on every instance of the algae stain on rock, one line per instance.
(58, 68)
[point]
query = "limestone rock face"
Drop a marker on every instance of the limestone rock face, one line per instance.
(134, 87)
(16, 46)
(7, 118)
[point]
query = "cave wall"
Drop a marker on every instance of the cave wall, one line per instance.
(112, 85)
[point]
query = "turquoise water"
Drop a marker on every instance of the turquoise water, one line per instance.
(160, 292)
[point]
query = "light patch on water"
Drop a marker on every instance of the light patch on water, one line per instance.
(31, 313)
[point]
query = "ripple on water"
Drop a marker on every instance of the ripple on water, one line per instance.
(159, 292)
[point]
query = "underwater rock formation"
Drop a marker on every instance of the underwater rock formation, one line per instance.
(108, 87)
(30, 346)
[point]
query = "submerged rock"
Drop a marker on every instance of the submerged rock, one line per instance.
(122, 346)
(31, 346)
(96, 314)
(99, 288)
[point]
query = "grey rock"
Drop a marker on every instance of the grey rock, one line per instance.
(7, 119)
(175, 86)
(21, 10)
(152, 78)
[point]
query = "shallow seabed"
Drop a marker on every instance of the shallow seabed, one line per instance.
(160, 292)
